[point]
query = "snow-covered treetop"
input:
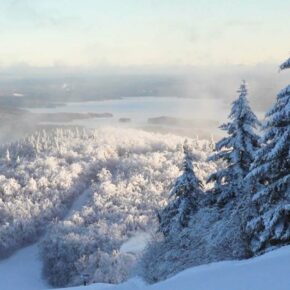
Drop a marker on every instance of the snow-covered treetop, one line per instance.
(285, 64)
(243, 88)
(237, 150)
(241, 111)
(242, 137)
(279, 115)
(187, 183)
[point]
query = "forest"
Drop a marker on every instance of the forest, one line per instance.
(201, 201)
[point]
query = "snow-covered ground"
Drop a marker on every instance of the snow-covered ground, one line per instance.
(79, 203)
(22, 271)
(136, 244)
(267, 272)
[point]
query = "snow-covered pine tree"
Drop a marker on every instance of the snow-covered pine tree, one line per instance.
(184, 198)
(271, 174)
(237, 150)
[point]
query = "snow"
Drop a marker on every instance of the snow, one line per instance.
(79, 203)
(136, 244)
(267, 272)
(147, 165)
(22, 271)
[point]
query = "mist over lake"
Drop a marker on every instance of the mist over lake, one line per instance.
(138, 111)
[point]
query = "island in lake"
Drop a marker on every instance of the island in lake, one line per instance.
(68, 117)
(179, 122)
(125, 120)
(16, 123)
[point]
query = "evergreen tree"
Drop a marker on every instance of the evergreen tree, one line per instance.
(270, 173)
(184, 198)
(237, 150)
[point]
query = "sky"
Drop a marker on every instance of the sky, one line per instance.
(143, 32)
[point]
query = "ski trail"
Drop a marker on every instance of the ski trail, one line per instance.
(22, 271)
(137, 243)
(79, 203)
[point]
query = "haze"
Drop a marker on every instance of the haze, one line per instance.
(57, 51)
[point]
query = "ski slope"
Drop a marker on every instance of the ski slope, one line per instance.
(22, 271)
(271, 271)
(268, 272)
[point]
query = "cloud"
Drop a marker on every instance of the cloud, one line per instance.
(38, 14)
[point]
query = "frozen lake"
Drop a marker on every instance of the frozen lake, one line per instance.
(203, 116)
(139, 109)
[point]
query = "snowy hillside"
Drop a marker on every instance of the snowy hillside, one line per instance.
(267, 272)
(86, 193)
(23, 270)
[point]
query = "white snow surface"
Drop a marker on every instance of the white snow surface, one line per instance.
(136, 244)
(79, 203)
(267, 272)
(22, 271)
